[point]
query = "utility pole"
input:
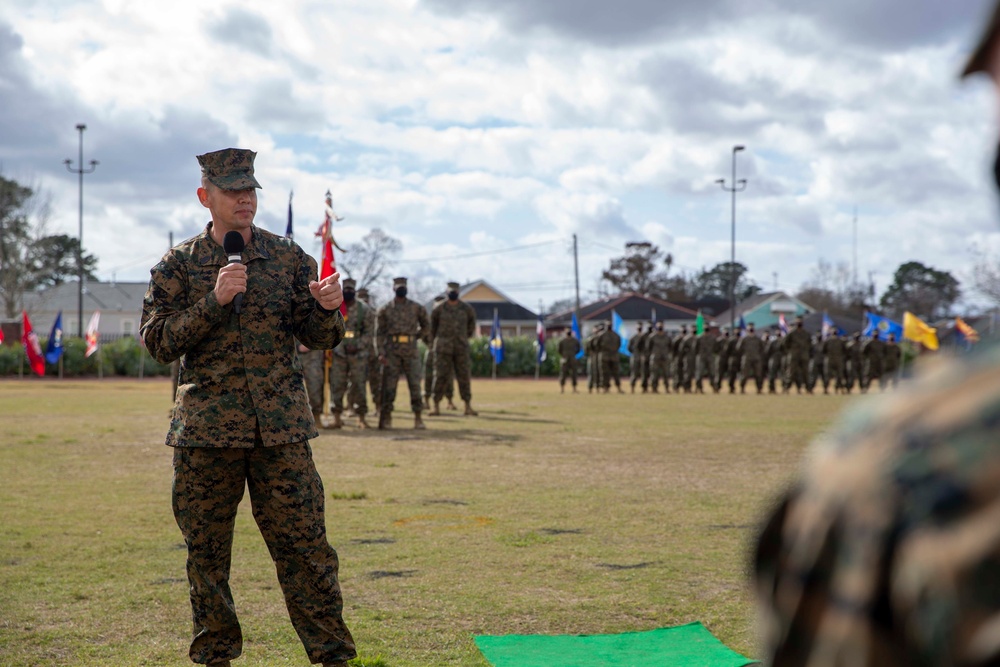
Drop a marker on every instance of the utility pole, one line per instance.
(576, 273)
(79, 251)
(855, 272)
(736, 186)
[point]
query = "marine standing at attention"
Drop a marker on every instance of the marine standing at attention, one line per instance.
(398, 326)
(453, 323)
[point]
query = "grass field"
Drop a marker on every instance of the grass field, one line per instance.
(548, 513)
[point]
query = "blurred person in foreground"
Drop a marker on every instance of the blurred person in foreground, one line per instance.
(886, 550)
(241, 418)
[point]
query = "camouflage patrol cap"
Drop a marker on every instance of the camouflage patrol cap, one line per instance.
(453, 285)
(229, 169)
(363, 293)
(350, 283)
(398, 282)
(979, 61)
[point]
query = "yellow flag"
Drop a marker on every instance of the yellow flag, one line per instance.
(919, 331)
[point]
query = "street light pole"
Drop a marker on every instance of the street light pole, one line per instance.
(79, 250)
(736, 186)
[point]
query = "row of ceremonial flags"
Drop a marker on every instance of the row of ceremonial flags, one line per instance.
(912, 328)
(54, 348)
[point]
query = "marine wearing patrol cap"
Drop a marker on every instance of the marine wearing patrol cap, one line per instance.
(398, 282)
(350, 283)
(229, 169)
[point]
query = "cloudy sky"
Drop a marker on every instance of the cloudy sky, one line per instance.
(484, 133)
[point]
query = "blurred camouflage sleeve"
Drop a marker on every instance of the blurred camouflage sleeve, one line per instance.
(170, 326)
(886, 551)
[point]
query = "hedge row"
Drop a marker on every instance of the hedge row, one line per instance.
(121, 357)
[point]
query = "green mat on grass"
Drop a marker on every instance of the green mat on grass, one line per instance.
(683, 646)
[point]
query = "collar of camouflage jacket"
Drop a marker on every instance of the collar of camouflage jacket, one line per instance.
(209, 253)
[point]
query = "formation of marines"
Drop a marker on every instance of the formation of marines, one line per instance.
(770, 361)
(380, 347)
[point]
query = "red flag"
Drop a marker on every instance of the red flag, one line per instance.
(92, 335)
(328, 266)
(31, 347)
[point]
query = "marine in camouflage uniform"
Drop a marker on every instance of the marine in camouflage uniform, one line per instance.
(660, 347)
(645, 354)
(834, 362)
(609, 345)
(449, 390)
(798, 346)
(891, 362)
(374, 368)
(312, 371)
(750, 349)
(569, 347)
(734, 361)
(241, 418)
(873, 354)
(349, 368)
(885, 549)
(398, 326)
(453, 323)
(635, 360)
(855, 371)
(817, 371)
(679, 354)
(773, 360)
(592, 346)
(704, 349)
(721, 354)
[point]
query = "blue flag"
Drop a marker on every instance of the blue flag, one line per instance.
(54, 349)
(496, 339)
(618, 326)
(742, 326)
(881, 327)
(575, 326)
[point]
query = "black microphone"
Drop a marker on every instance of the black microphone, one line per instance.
(233, 244)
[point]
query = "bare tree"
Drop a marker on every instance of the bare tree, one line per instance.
(29, 258)
(370, 260)
(832, 289)
(985, 277)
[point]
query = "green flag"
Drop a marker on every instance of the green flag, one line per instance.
(699, 324)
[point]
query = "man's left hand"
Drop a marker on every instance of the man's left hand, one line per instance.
(327, 292)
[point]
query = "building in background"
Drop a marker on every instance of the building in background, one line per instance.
(763, 310)
(632, 308)
(120, 305)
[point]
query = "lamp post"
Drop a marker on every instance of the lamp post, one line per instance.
(79, 250)
(734, 187)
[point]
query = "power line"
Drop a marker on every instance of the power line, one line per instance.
(477, 254)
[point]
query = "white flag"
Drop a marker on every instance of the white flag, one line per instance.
(92, 335)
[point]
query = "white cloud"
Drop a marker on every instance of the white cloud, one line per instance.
(461, 127)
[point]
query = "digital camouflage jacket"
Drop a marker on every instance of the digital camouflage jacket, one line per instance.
(237, 372)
